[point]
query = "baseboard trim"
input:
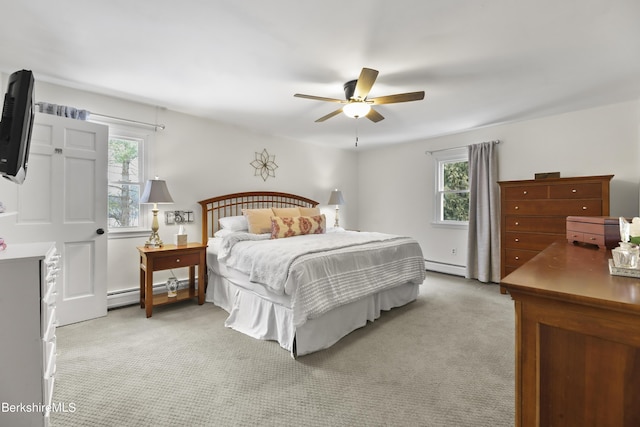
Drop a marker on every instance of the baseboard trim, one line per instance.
(443, 267)
(131, 296)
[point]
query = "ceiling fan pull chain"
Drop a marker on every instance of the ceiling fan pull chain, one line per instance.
(356, 133)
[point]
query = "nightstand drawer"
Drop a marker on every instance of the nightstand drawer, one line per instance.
(176, 261)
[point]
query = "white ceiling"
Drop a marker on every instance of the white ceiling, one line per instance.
(480, 62)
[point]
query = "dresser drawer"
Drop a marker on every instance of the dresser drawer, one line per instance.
(49, 334)
(47, 305)
(542, 224)
(526, 192)
(517, 257)
(530, 241)
(50, 358)
(553, 207)
(576, 191)
(176, 261)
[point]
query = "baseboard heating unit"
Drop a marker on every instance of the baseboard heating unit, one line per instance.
(443, 267)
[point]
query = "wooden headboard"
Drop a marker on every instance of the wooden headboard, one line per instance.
(232, 204)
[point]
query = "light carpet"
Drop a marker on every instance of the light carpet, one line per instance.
(446, 359)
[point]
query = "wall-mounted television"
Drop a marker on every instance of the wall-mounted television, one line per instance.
(16, 126)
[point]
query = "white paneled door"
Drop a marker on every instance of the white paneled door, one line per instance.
(64, 199)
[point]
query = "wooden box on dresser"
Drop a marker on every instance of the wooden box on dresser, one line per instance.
(534, 213)
(27, 333)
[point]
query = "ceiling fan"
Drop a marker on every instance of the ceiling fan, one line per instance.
(357, 104)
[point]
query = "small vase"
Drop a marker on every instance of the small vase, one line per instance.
(172, 287)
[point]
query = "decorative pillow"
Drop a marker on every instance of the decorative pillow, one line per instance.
(297, 226)
(259, 220)
(310, 211)
(286, 212)
(234, 223)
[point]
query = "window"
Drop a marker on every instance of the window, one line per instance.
(452, 188)
(126, 180)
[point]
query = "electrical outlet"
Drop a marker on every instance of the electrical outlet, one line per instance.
(454, 251)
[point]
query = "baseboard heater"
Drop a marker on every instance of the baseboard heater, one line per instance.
(131, 296)
(444, 267)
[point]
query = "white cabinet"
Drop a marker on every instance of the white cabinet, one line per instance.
(27, 333)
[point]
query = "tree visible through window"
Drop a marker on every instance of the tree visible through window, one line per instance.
(124, 182)
(455, 206)
(452, 191)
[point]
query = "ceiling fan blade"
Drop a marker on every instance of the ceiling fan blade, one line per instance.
(367, 77)
(320, 98)
(400, 97)
(328, 116)
(374, 116)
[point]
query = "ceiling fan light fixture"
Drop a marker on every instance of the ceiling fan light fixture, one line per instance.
(356, 109)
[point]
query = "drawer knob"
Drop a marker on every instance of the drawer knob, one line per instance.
(524, 192)
(517, 207)
(517, 258)
(517, 240)
(584, 208)
(517, 223)
(574, 191)
(592, 238)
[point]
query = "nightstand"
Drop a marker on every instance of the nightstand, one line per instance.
(165, 258)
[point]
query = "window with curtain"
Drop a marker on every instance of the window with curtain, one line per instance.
(126, 179)
(452, 187)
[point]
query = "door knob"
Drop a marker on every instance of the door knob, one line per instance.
(100, 231)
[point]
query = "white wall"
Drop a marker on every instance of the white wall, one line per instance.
(396, 184)
(387, 189)
(200, 159)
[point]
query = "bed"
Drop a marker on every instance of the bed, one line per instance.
(282, 275)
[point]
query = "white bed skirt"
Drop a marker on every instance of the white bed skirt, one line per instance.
(257, 317)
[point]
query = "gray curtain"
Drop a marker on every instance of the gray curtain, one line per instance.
(483, 256)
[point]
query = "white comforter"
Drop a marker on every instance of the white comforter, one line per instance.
(321, 272)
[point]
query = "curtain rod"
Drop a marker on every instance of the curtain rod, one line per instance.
(455, 148)
(153, 125)
(45, 105)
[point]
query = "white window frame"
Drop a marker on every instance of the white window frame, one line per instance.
(147, 138)
(441, 159)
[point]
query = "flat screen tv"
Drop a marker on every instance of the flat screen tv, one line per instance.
(16, 126)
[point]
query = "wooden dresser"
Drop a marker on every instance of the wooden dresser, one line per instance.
(577, 342)
(534, 213)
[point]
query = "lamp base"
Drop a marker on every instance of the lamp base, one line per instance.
(154, 241)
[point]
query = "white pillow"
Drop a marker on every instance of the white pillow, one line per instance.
(223, 233)
(234, 223)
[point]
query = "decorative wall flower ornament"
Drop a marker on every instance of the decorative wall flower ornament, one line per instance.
(264, 165)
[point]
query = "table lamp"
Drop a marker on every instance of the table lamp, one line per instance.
(155, 192)
(336, 199)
